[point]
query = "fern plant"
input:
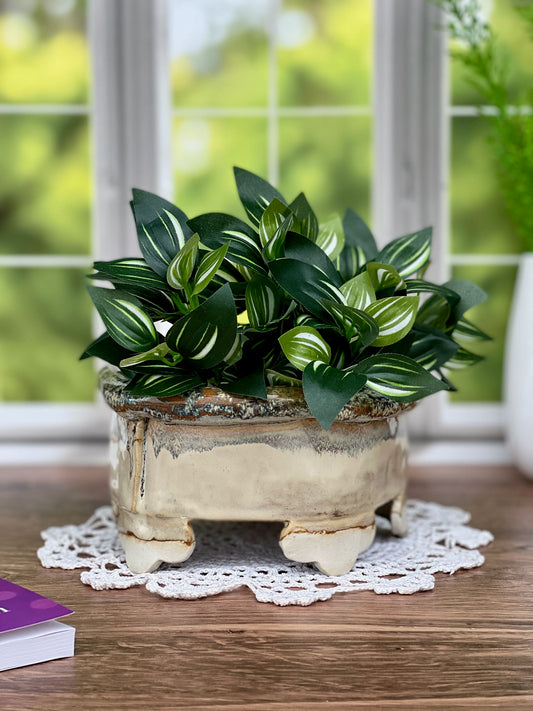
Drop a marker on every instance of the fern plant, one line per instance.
(280, 300)
(511, 126)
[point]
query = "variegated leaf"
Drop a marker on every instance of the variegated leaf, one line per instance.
(357, 234)
(331, 237)
(272, 218)
(165, 385)
(217, 229)
(130, 271)
(327, 390)
(395, 317)
(161, 229)
(434, 312)
(384, 276)
(182, 266)
(353, 322)
(285, 378)
(255, 194)
(465, 330)
(408, 254)
(262, 301)
(418, 286)
(359, 291)
(349, 261)
(107, 349)
(299, 247)
(124, 318)
(305, 216)
(206, 335)
(208, 268)
(235, 352)
(463, 359)
(398, 377)
(304, 344)
(431, 348)
(275, 246)
(157, 353)
(306, 284)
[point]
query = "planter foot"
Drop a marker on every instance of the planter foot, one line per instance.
(146, 556)
(333, 547)
(398, 517)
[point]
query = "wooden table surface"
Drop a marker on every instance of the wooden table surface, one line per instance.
(467, 644)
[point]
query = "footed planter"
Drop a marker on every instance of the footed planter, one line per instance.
(220, 457)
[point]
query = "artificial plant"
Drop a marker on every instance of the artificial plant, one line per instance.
(278, 300)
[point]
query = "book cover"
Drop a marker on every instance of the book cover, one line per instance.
(29, 631)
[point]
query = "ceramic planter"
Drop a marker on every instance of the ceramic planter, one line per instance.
(220, 457)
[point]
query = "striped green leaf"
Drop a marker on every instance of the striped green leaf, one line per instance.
(419, 286)
(165, 385)
(206, 335)
(208, 267)
(465, 330)
(276, 245)
(271, 220)
(161, 229)
(235, 352)
(395, 317)
(305, 216)
(434, 312)
(384, 276)
(299, 247)
(217, 229)
(262, 300)
(349, 261)
(157, 353)
(255, 194)
(359, 291)
(463, 358)
(155, 303)
(330, 237)
(302, 345)
(431, 348)
(288, 377)
(129, 271)
(124, 318)
(327, 390)
(107, 349)
(306, 284)
(408, 254)
(398, 377)
(353, 322)
(357, 234)
(182, 266)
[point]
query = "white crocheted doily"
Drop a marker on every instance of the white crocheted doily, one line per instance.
(230, 555)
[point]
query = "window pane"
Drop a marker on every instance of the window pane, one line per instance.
(205, 152)
(513, 36)
(325, 52)
(46, 324)
(43, 52)
(219, 52)
(480, 223)
(44, 185)
(329, 159)
(483, 382)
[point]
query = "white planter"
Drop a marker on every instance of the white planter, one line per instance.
(518, 381)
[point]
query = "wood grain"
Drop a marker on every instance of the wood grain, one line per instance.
(467, 644)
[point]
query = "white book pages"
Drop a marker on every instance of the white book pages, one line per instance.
(37, 643)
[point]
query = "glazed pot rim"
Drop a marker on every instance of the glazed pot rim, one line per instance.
(203, 406)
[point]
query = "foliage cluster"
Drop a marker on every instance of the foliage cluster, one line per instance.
(281, 300)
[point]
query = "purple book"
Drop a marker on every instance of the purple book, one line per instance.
(29, 631)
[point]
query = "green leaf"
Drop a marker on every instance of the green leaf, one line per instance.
(353, 322)
(306, 284)
(349, 260)
(161, 229)
(262, 299)
(272, 219)
(130, 271)
(463, 358)
(304, 344)
(431, 348)
(255, 194)
(285, 378)
(434, 312)
(305, 216)
(465, 330)
(384, 276)
(299, 247)
(331, 237)
(359, 291)
(182, 266)
(206, 335)
(251, 383)
(417, 286)
(124, 318)
(165, 385)
(235, 352)
(395, 317)
(470, 295)
(357, 234)
(217, 229)
(157, 353)
(107, 349)
(398, 377)
(208, 268)
(275, 247)
(408, 254)
(327, 390)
